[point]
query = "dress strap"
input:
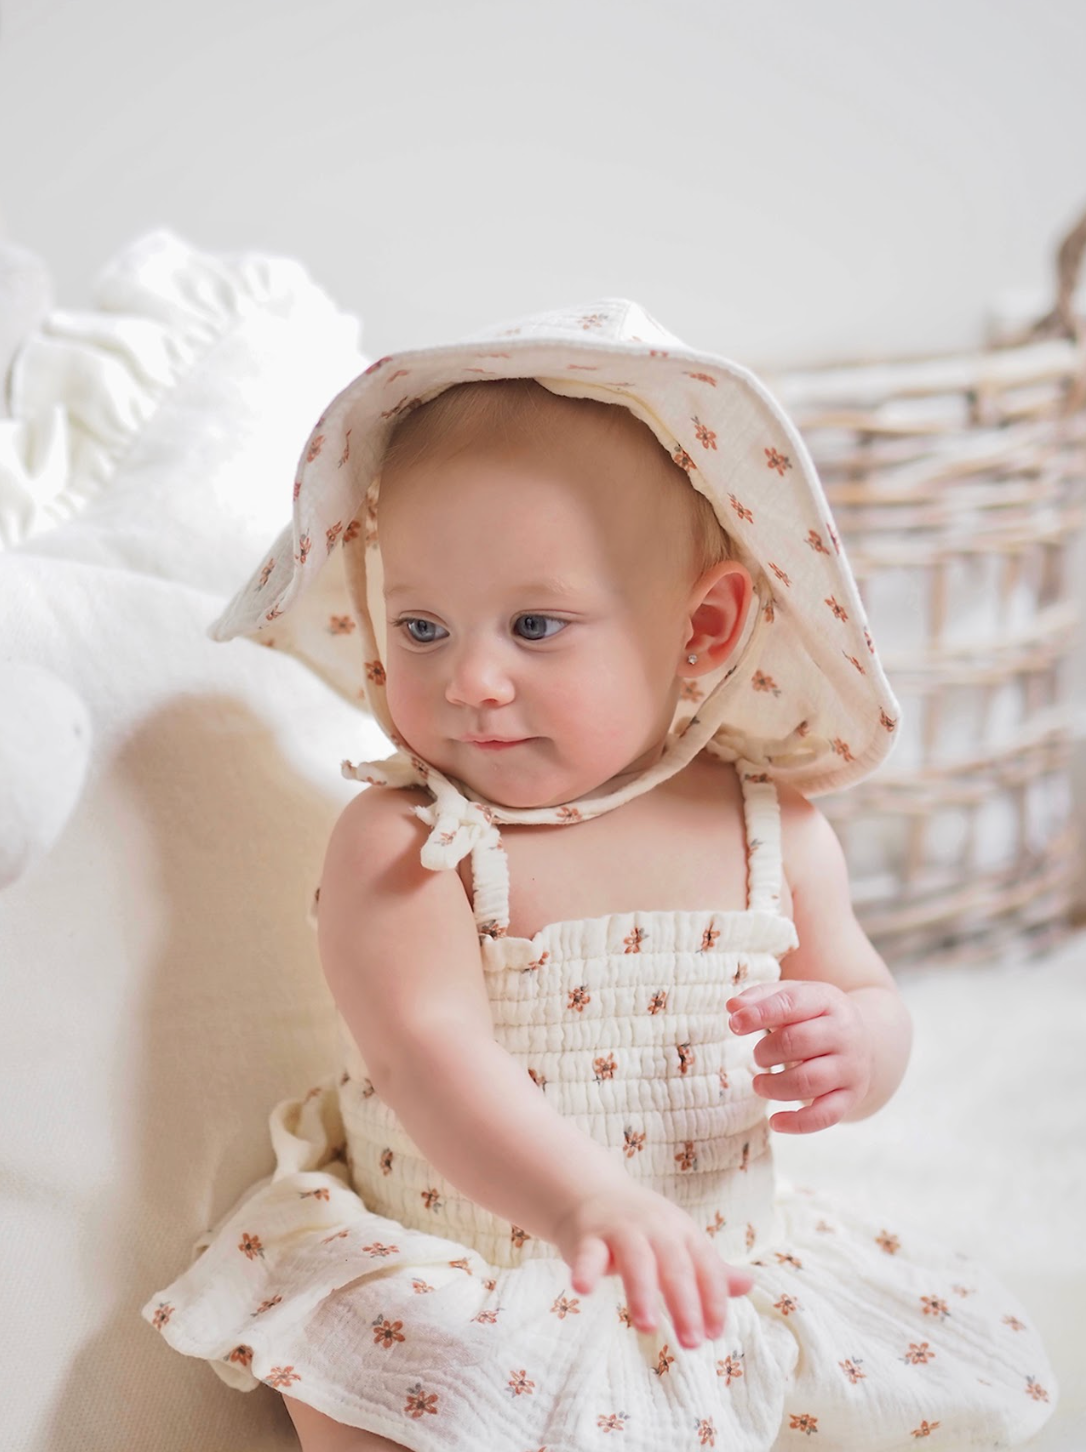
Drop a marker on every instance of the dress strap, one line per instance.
(762, 816)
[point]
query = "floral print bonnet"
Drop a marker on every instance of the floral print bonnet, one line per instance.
(804, 694)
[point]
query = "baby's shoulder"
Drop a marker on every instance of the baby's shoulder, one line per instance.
(378, 825)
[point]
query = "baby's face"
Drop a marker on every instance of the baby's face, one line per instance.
(529, 604)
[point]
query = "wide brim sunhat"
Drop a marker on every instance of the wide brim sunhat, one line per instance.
(803, 695)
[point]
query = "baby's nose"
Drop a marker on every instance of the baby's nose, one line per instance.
(479, 679)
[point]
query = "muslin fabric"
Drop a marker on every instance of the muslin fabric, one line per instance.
(358, 1279)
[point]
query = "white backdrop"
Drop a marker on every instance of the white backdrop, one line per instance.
(783, 183)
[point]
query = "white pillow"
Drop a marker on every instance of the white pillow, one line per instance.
(161, 983)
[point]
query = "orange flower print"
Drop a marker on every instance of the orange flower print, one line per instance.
(163, 1312)
(368, 1091)
(267, 1305)
(718, 1224)
(750, 1236)
(386, 1333)
(332, 534)
(305, 544)
(633, 940)
(335, 1235)
(431, 1199)
(918, 1354)
(569, 814)
(1035, 1390)
(351, 532)
(708, 938)
(870, 642)
(706, 437)
(687, 1057)
(635, 1141)
(250, 1245)
(540, 1080)
(741, 509)
(624, 1316)
(780, 462)
(346, 454)
(887, 722)
(934, 1306)
(785, 1257)
(723, 1083)
(803, 729)
(786, 1305)
(612, 1422)
(682, 458)
(686, 1159)
(538, 962)
(265, 573)
(566, 1306)
(518, 1236)
(814, 539)
(658, 1001)
(1011, 1321)
(578, 997)
(322, 1193)
(833, 536)
(379, 364)
(379, 1251)
(702, 377)
(462, 1263)
(691, 691)
(489, 1283)
(386, 1162)
(839, 611)
(519, 1384)
(274, 613)
(963, 1291)
(420, 1402)
(282, 1376)
(663, 1361)
(731, 1368)
(588, 321)
(486, 1318)
(375, 672)
(297, 488)
(605, 1068)
(706, 1432)
(340, 624)
(243, 1355)
(316, 443)
(842, 748)
(853, 661)
(852, 1369)
(491, 928)
(741, 969)
(762, 682)
(925, 1429)
(769, 613)
(780, 574)
(803, 1422)
(887, 1242)
(744, 1160)
(420, 1287)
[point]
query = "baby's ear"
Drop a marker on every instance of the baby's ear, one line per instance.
(720, 603)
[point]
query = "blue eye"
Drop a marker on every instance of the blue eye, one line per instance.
(427, 627)
(535, 626)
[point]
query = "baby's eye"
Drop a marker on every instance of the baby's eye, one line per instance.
(535, 626)
(420, 631)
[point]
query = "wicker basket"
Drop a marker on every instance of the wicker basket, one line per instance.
(958, 485)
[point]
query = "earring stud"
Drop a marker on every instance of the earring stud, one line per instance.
(691, 659)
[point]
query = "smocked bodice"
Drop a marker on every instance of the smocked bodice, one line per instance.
(620, 1021)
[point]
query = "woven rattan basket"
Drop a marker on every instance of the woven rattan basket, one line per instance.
(958, 482)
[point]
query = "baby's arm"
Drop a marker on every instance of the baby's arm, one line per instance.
(400, 951)
(836, 1020)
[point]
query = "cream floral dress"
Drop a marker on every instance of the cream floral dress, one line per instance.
(358, 1279)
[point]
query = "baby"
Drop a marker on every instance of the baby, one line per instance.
(536, 1207)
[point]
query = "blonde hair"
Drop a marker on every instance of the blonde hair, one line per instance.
(516, 407)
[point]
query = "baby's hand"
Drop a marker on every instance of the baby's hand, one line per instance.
(816, 1030)
(655, 1247)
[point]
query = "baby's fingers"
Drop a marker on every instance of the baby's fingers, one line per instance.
(590, 1261)
(636, 1264)
(819, 1114)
